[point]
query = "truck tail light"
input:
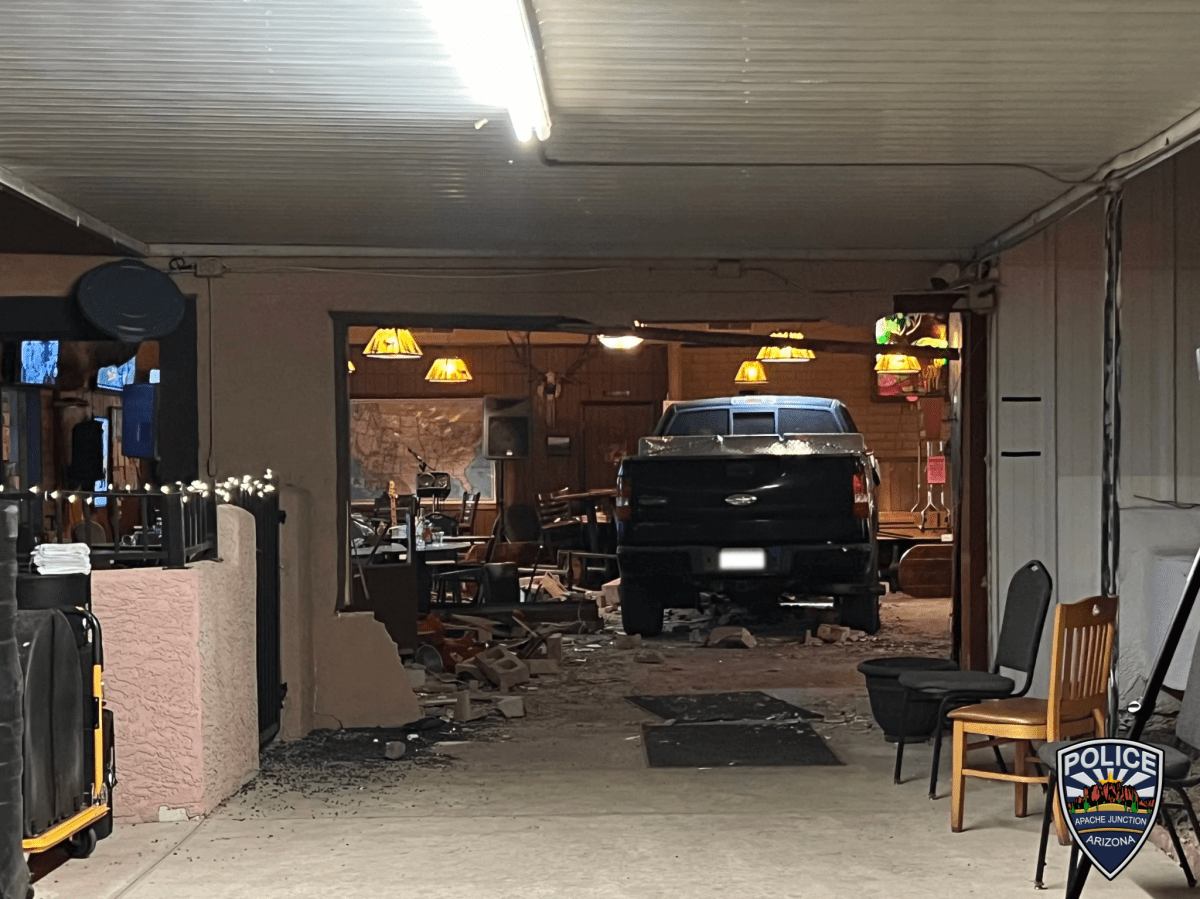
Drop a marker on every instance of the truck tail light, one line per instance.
(862, 497)
(624, 493)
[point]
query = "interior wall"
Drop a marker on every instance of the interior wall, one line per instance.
(266, 380)
(601, 381)
(1048, 334)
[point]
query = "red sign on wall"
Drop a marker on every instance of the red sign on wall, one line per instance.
(935, 469)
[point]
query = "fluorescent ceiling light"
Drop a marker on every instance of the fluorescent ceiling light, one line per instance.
(619, 342)
(491, 44)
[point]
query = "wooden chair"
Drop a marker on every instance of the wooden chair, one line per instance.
(560, 529)
(466, 518)
(1077, 706)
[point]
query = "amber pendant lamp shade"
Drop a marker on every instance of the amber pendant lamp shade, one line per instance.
(448, 369)
(786, 353)
(751, 372)
(897, 364)
(392, 343)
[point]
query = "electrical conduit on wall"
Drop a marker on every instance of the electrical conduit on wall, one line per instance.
(1110, 513)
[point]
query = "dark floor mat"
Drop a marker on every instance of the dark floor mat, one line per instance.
(725, 745)
(700, 707)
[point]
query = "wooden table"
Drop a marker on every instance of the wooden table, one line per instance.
(895, 539)
(591, 500)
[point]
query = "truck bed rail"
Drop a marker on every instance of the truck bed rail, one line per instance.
(769, 445)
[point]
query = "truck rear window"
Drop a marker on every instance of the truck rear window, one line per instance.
(808, 421)
(754, 422)
(700, 422)
(792, 420)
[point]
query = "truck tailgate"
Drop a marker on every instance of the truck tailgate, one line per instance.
(741, 501)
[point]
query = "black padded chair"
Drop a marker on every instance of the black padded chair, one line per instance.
(495, 582)
(1025, 608)
(1176, 772)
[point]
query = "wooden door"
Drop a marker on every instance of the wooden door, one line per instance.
(610, 432)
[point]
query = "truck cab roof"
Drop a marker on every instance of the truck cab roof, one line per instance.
(756, 415)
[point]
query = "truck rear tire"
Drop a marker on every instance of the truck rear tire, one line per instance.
(641, 606)
(861, 612)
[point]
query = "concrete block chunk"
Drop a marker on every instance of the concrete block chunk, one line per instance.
(502, 667)
(464, 710)
(833, 633)
(629, 641)
(731, 636)
(511, 707)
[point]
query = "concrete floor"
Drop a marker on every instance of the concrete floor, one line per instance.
(561, 803)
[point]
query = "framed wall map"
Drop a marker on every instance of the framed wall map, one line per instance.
(446, 433)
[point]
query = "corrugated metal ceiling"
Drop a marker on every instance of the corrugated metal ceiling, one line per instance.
(343, 124)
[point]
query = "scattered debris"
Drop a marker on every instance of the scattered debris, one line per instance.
(833, 633)
(469, 671)
(464, 710)
(512, 707)
(551, 586)
(650, 657)
(612, 594)
(731, 636)
(428, 657)
(394, 749)
(628, 641)
(502, 667)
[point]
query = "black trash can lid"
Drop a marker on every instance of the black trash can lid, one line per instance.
(891, 666)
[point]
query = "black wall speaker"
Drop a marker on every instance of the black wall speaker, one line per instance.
(130, 301)
(507, 427)
(87, 455)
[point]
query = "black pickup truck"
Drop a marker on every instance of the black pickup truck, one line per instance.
(755, 497)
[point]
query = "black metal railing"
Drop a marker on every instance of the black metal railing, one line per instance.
(172, 529)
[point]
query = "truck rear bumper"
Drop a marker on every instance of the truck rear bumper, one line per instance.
(826, 569)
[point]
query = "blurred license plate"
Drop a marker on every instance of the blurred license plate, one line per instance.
(742, 559)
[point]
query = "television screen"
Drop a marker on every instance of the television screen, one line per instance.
(39, 361)
(102, 484)
(115, 377)
(154, 376)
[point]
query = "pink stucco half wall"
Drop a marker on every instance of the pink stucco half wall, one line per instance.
(180, 676)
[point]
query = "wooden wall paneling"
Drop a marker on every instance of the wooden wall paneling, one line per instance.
(639, 377)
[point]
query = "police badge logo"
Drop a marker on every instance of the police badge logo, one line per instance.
(1109, 791)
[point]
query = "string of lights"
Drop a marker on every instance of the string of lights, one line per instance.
(227, 490)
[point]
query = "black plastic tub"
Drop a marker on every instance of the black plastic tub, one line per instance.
(887, 696)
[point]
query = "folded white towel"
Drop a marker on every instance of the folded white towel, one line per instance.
(62, 558)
